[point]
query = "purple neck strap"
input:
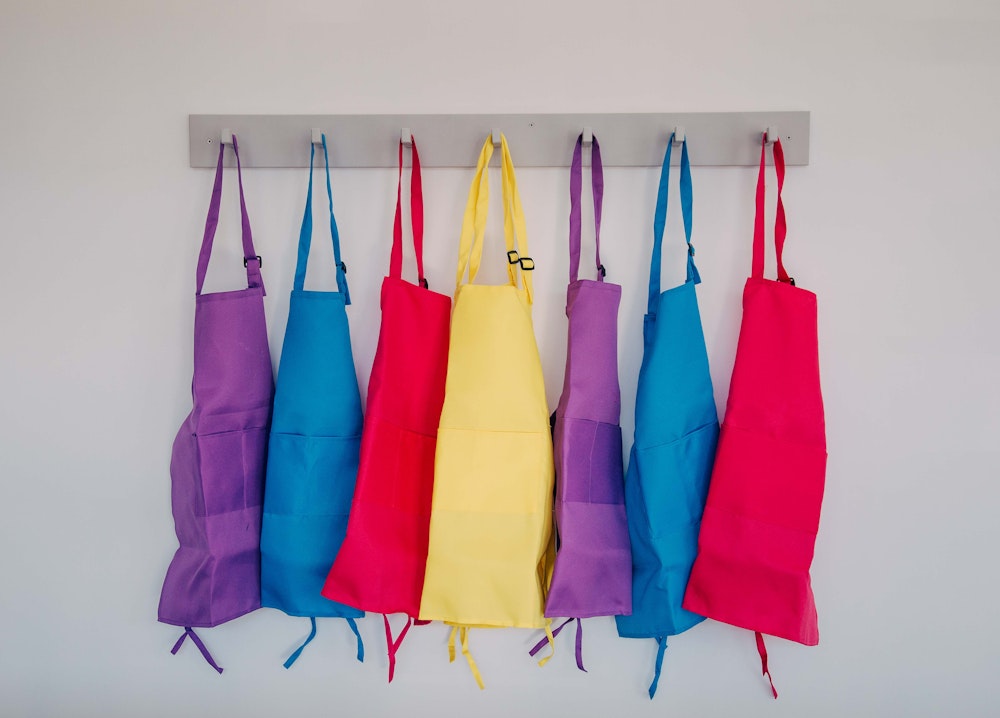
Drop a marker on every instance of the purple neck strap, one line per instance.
(575, 189)
(250, 258)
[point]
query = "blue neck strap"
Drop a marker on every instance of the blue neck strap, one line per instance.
(660, 221)
(305, 235)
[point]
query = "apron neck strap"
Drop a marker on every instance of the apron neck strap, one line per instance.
(416, 218)
(660, 221)
(305, 234)
(780, 229)
(575, 221)
(250, 258)
(515, 229)
(470, 249)
(470, 252)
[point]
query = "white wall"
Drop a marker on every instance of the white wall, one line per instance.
(894, 224)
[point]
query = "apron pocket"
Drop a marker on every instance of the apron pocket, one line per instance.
(673, 479)
(492, 472)
(398, 467)
(589, 461)
(311, 475)
(760, 477)
(232, 463)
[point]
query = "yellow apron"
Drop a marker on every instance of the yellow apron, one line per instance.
(491, 549)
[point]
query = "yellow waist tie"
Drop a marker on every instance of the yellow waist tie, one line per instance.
(552, 643)
(463, 632)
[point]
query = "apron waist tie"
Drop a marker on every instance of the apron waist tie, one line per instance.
(298, 651)
(763, 662)
(392, 646)
(463, 631)
(551, 639)
(661, 648)
(579, 643)
(357, 635)
(188, 631)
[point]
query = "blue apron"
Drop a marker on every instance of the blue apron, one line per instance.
(676, 431)
(315, 438)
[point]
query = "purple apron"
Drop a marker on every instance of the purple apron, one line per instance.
(217, 465)
(593, 568)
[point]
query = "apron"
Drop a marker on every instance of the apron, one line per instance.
(217, 463)
(313, 450)
(490, 550)
(759, 530)
(380, 566)
(593, 567)
(676, 431)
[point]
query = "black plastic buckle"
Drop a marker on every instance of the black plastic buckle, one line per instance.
(526, 267)
(691, 249)
(791, 280)
(512, 257)
(343, 268)
(601, 270)
(246, 261)
(423, 283)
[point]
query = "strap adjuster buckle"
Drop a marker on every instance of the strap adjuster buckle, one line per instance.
(512, 257)
(246, 260)
(601, 270)
(526, 267)
(343, 267)
(690, 249)
(423, 283)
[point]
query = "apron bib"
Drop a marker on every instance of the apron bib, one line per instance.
(593, 567)
(759, 530)
(313, 449)
(490, 549)
(676, 431)
(217, 463)
(380, 566)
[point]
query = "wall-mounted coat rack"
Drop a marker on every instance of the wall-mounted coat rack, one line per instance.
(627, 139)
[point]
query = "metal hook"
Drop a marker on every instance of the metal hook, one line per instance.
(495, 134)
(406, 137)
(317, 136)
(771, 134)
(588, 135)
(226, 137)
(679, 136)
